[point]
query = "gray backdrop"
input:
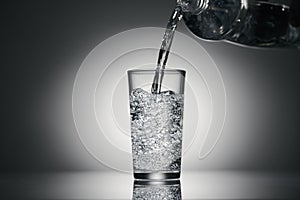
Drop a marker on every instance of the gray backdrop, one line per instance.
(44, 43)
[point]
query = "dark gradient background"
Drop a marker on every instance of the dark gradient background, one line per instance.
(43, 44)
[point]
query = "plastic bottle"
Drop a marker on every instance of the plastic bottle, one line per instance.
(273, 23)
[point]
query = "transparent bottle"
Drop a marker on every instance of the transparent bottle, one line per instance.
(269, 23)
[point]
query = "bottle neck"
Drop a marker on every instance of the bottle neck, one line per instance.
(218, 20)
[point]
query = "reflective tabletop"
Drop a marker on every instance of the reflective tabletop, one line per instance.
(115, 185)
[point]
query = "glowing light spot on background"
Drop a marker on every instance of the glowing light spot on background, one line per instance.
(100, 95)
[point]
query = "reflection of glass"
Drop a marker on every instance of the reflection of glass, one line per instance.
(156, 123)
(156, 190)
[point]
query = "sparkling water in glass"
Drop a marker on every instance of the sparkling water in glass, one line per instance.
(156, 124)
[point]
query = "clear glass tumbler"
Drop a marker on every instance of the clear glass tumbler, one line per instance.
(156, 123)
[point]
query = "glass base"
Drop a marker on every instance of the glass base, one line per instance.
(156, 175)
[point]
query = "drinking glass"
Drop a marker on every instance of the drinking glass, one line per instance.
(156, 123)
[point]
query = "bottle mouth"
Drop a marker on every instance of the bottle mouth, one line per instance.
(193, 6)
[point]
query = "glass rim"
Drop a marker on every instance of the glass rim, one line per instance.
(131, 71)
